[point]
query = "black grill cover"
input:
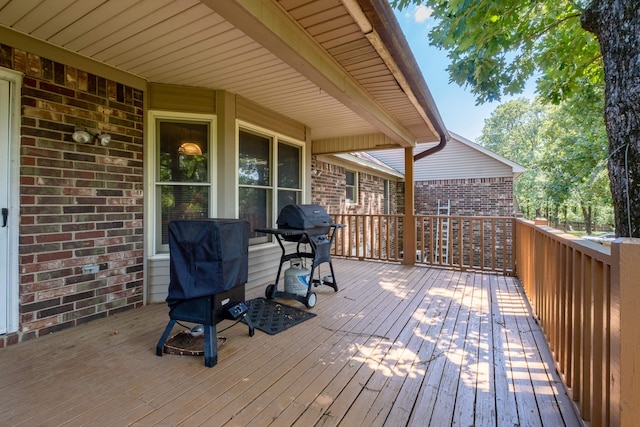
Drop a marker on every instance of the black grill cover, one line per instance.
(304, 217)
(207, 257)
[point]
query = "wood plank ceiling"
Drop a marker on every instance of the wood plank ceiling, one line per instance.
(187, 42)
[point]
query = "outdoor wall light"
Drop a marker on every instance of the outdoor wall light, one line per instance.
(83, 136)
(103, 138)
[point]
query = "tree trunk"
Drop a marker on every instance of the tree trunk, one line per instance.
(586, 215)
(616, 24)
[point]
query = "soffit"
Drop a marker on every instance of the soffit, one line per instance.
(203, 44)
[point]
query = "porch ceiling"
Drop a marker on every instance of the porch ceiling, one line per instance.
(309, 60)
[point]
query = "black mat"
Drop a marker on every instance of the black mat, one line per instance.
(273, 317)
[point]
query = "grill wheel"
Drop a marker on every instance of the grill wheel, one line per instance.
(311, 300)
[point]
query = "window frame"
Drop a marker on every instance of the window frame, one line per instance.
(156, 248)
(386, 194)
(276, 139)
(356, 197)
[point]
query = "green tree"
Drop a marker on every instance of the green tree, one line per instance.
(513, 131)
(564, 151)
(496, 45)
(574, 158)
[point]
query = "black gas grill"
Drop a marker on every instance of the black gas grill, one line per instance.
(208, 272)
(305, 225)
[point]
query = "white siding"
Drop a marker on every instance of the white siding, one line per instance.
(457, 160)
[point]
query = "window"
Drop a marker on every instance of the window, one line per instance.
(183, 173)
(269, 178)
(351, 187)
(385, 197)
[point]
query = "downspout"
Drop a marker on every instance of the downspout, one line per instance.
(432, 150)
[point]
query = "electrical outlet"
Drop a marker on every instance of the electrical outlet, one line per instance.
(90, 269)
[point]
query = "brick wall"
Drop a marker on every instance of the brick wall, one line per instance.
(80, 204)
(469, 197)
(327, 190)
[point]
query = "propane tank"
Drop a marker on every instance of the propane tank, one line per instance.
(296, 278)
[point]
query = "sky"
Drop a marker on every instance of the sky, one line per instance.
(456, 105)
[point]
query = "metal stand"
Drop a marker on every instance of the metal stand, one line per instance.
(320, 253)
(203, 311)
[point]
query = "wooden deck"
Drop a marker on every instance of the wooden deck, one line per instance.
(396, 346)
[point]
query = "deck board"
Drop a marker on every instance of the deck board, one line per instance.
(397, 345)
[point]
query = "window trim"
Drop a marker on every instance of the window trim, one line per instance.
(276, 138)
(155, 248)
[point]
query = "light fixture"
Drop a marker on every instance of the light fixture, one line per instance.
(103, 138)
(190, 149)
(84, 136)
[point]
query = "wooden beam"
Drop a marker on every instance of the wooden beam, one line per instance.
(409, 229)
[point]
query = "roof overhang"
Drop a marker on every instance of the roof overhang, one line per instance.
(340, 67)
(373, 165)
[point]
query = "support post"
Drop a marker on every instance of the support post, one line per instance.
(625, 334)
(409, 223)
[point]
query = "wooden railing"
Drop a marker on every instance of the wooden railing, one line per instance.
(567, 282)
(467, 243)
(586, 297)
(375, 237)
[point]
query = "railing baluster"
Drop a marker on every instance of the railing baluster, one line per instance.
(379, 237)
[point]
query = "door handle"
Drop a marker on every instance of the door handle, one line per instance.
(5, 216)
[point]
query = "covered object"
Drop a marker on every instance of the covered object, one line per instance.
(208, 257)
(208, 270)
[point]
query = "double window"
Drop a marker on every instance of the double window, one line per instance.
(269, 178)
(269, 174)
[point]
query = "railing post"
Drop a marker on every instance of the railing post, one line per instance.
(625, 333)
(409, 222)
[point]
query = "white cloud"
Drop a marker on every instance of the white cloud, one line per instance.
(422, 13)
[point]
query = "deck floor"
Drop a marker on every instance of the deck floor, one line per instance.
(395, 346)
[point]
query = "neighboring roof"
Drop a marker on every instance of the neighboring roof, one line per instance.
(340, 67)
(366, 161)
(461, 158)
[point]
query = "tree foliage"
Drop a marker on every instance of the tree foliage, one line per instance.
(574, 49)
(564, 152)
(495, 46)
(513, 131)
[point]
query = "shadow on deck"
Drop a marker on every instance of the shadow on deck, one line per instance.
(396, 345)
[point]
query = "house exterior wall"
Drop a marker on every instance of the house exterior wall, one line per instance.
(476, 181)
(456, 161)
(328, 189)
(468, 197)
(80, 204)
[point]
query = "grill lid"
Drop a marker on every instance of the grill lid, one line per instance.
(303, 217)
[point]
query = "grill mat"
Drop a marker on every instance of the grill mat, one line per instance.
(273, 317)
